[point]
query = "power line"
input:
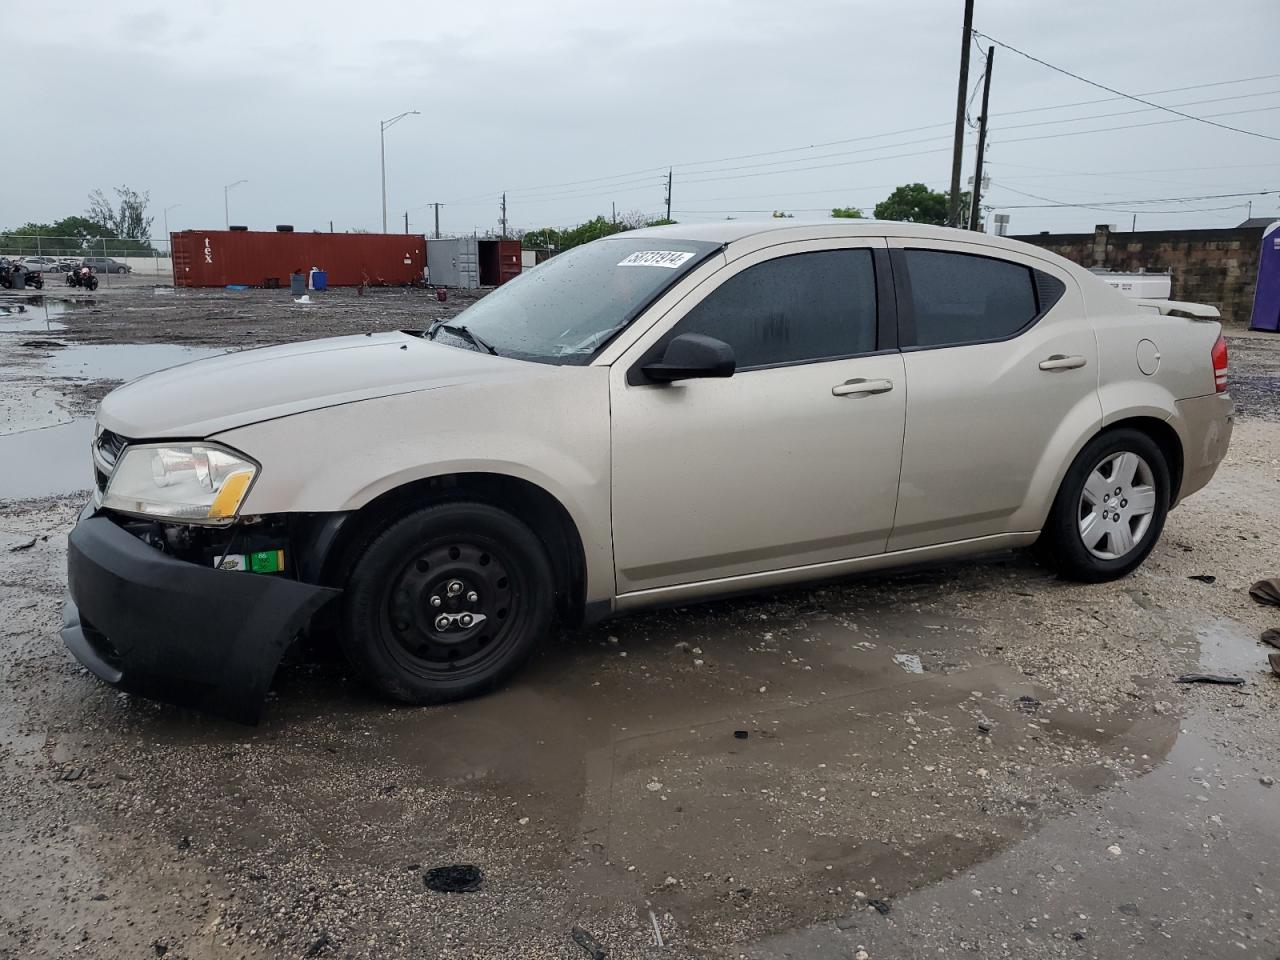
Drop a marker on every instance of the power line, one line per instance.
(1132, 126)
(623, 179)
(1112, 206)
(1147, 93)
(1120, 93)
(1126, 113)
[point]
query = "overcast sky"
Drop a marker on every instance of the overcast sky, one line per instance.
(571, 104)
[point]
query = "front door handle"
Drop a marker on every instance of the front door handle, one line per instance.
(860, 387)
(1060, 361)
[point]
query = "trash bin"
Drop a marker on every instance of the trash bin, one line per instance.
(298, 284)
(19, 278)
(319, 280)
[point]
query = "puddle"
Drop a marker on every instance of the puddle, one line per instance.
(1226, 648)
(121, 361)
(31, 315)
(54, 459)
(42, 463)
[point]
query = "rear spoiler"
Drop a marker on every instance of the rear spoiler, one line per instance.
(1179, 308)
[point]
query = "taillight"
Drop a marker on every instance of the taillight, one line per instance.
(1220, 365)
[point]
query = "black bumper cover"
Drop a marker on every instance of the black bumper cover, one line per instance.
(174, 631)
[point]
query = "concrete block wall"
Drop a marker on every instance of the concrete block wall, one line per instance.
(1218, 267)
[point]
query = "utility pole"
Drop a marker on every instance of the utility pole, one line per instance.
(331, 226)
(406, 221)
(975, 207)
(437, 206)
(613, 216)
(504, 214)
(957, 151)
(668, 193)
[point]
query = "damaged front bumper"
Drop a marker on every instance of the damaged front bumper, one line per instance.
(178, 631)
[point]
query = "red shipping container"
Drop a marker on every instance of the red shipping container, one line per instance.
(257, 258)
(499, 261)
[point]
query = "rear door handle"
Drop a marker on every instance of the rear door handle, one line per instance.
(1062, 362)
(861, 386)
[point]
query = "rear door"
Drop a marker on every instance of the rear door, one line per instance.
(1002, 372)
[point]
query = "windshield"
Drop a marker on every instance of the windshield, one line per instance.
(565, 309)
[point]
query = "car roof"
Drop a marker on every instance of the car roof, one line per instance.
(779, 229)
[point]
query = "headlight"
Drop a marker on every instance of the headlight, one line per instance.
(195, 483)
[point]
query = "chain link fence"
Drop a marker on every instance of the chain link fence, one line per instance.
(117, 262)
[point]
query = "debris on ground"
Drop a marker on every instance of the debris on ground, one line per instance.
(909, 662)
(456, 878)
(1271, 637)
(1203, 578)
(1027, 704)
(1210, 678)
(319, 945)
(741, 734)
(589, 943)
(1267, 591)
(881, 906)
(23, 546)
(1274, 660)
(657, 930)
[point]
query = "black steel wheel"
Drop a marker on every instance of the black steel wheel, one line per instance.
(447, 602)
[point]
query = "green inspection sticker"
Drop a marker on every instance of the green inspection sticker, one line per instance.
(261, 561)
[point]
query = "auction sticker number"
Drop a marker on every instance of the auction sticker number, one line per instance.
(656, 258)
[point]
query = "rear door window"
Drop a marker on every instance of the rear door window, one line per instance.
(963, 298)
(795, 309)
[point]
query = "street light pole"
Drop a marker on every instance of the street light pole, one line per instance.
(382, 147)
(172, 206)
(226, 204)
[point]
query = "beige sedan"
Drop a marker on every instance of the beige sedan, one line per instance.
(661, 416)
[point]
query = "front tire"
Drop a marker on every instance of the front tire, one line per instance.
(1110, 509)
(446, 603)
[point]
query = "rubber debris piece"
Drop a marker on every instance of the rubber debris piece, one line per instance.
(1203, 577)
(1271, 637)
(881, 906)
(1274, 660)
(1267, 591)
(1210, 678)
(589, 943)
(457, 878)
(741, 734)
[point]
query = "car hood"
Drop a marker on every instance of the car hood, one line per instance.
(205, 397)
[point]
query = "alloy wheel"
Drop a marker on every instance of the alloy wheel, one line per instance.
(1117, 505)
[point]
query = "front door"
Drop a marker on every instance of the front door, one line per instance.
(791, 461)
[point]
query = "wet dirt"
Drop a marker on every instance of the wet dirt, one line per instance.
(608, 780)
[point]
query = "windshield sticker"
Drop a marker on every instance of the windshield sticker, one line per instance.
(656, 258)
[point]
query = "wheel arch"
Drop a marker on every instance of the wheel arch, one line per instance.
(1165, 437)
(549, 519)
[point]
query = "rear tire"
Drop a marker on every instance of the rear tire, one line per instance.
(446, 603)
(1110, 509)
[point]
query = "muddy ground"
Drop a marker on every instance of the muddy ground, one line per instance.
(968, 759)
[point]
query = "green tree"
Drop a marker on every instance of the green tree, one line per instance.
(916, 203)
(129, 221)
(847, 213)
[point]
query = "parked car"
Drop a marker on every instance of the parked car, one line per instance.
(659, 417)
(106, 265)
(40, 264)
(67, 264)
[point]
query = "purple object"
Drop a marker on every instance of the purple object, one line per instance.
(1266, 296)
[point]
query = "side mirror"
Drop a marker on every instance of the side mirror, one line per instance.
(691, 356)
